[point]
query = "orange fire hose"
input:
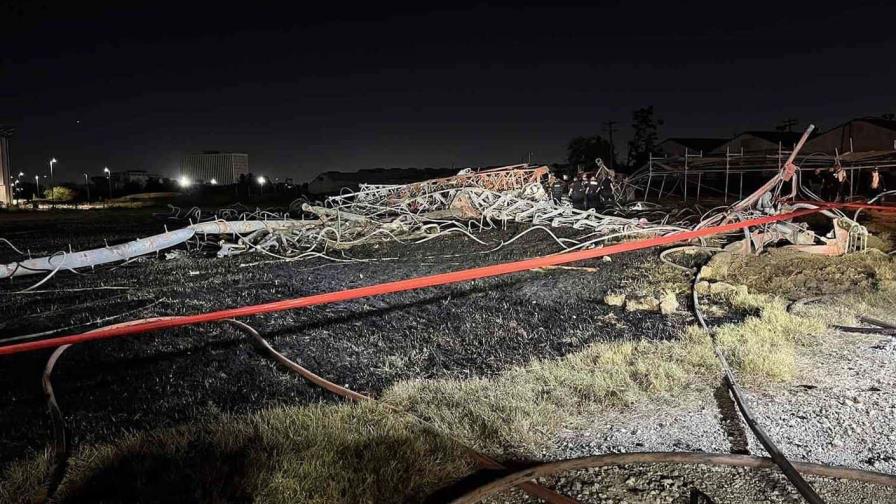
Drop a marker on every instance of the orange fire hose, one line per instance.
(138, 327)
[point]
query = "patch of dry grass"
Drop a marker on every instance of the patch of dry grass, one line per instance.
(519, 411)
(763, 347)
(857, 284)
(315, 454)
(882, 241)
(655, 279)
(23, 480)
(845, 309)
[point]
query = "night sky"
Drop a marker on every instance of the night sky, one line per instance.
(331, 86)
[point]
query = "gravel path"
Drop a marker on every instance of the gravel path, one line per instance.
(667, 483)
(840, 410)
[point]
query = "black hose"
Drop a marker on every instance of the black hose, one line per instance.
(57, 452)
(777, 456)
(481, 459)
(711, 459)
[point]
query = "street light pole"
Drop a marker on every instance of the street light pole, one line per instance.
(52, 180)
(109, 178)
(37, 186)
(87, 184)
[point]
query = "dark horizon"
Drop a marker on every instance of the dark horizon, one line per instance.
(313, 89)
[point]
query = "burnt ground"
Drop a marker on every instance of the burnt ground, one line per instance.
(155, 380)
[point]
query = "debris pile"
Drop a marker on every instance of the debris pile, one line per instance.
(467, 203)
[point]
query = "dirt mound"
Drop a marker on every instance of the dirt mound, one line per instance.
(795, 274)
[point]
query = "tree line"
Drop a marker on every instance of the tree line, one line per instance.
(583, 151)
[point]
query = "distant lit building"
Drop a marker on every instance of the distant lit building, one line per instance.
(6, 187)
(220, 167)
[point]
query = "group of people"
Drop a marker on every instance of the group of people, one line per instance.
(835, 183)
(585, 192)
(595, 190)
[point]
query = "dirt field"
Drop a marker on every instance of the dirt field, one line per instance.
(157, 380)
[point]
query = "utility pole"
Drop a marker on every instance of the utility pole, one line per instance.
(787, 124)
(610, 130)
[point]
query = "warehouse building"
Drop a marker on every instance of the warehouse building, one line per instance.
(677, 147)
(858, 135)
(768, 142)
(212, 167)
